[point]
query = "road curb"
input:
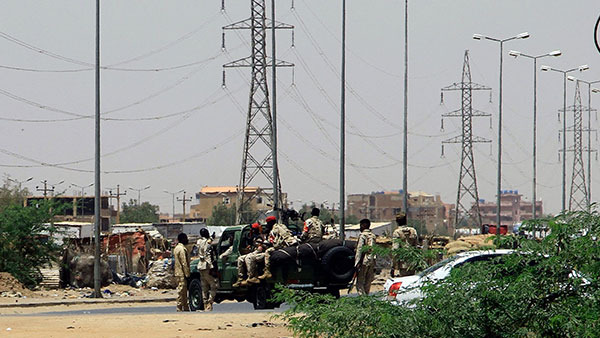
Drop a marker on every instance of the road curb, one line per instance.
(88, 301)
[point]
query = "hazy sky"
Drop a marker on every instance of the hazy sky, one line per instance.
(196, 135)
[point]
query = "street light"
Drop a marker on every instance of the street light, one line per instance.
(19, 183)
(564, 169)
(139, 192)
(82, 187)
(173, 195)
(523, 35)
(534, 58)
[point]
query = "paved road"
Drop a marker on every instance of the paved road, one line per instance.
(228, 307)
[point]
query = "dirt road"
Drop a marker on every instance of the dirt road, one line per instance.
(31, 322)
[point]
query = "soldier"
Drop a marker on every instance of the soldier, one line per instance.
(205, 264)
(406, 235)
(364, 261)
(244, 262)
(182, 271)
(279, 237)
(313, 228)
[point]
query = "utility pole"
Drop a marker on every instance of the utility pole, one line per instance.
(578, 199)
(343, 129)
(405, 134)
(184, 200)
(118, 197)
(97, 219)
(82, 187)
(259, 154)
(45, 189)
(467, 179)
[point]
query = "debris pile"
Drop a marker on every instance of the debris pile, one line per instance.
(11, 287)
(161, 275)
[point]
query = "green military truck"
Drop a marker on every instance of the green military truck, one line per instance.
(324, 267)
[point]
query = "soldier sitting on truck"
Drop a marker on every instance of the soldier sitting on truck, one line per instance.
(313, 228)
(248, 254)
(279, 237)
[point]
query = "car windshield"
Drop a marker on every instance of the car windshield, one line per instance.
(437, 266)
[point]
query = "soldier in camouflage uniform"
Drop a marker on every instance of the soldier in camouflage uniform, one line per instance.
(313, 228)
(245, 264)
(279, 237)
(365, 261)
(407, 236)
(205, 264)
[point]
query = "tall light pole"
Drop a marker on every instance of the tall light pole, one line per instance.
(343, 129)
(139, 192)
(45, 189)
(524, 35)
(405, 123)
(534, 58)
(19, 183)
(97, 150)
(589, 130)
(173, 196)
(564, 150)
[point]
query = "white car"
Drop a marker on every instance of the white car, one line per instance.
(403, 290)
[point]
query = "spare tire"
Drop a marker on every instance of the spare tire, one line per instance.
(338, 264)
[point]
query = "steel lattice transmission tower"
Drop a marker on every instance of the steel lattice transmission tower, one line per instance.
(258, 164)
(578, 198)
(467, 179)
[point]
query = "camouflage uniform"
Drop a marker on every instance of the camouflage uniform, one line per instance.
(182, 272)
(365, 262)
(408, 235)
(313, 230)
(280, 237)
(205, 264)
(245, 266)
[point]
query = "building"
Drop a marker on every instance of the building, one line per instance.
(78, 209)
(209, 197)
(383, 206)
(513, 209)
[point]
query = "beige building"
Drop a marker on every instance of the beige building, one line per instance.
(383, 206)
(513, 209)
(209, 197)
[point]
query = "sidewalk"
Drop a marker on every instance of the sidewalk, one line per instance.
(51, 302)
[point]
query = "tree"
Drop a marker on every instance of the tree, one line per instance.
(142, 213)
(11, 193)
(547, 287)
(222, 215)
(26, 240)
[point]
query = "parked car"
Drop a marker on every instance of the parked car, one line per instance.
(403, 290)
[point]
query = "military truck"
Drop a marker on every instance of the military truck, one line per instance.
(324, 267)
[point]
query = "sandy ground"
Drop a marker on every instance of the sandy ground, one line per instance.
(195, 324)
(116, 291)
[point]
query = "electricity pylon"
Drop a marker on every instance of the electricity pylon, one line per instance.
(467, 179)
(259, 152)
(578, 199)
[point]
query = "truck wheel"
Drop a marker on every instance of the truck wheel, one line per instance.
(195, 295)
(262, 293)
(338, 263)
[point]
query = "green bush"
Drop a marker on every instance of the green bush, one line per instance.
(548, 287)
(26, 242)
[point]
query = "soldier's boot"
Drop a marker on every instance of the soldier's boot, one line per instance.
(253, 280)
(239, 282)
(266, 274)
(208, 307)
